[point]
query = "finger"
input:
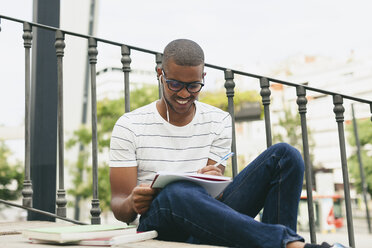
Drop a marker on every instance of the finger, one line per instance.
(144, 191)
(210, 168)
(213, 172)
(144, 185)
(140, 198)
(139, 205)
(142, 210)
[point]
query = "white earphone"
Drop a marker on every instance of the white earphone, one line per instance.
(162, 91)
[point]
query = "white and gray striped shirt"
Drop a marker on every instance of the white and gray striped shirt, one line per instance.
(143, 138)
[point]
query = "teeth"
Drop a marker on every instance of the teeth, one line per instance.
(181, 102)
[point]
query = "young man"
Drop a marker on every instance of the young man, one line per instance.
(178, 133)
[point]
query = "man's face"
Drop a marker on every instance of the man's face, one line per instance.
(181, 102)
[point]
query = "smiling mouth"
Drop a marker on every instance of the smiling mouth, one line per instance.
(182, 101)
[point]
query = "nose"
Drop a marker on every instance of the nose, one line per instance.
(184, 93)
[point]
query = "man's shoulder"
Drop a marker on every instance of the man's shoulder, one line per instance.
(212, 111)
(138, 115)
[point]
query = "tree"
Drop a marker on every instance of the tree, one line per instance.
(289, 131)
(11, 175)
(219, 99)
(365, 139)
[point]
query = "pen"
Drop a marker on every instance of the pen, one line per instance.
(223, 159)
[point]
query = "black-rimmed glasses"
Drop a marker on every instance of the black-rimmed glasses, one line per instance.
(176, 86)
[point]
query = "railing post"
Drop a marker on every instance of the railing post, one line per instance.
(126, 60)
(92, 52)
(27, 183)
(339, 113)
(61, 193)
(158, 60)
(230, 85)
(361, 168)
(301, 102)
(265, 94)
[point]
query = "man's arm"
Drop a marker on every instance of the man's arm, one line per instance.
(220, 146)
(127, 199)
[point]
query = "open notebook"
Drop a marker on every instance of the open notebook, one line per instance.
(213, 184)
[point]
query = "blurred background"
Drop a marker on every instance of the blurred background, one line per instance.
(324, 44)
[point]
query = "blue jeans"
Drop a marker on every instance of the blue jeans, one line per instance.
(184, 211)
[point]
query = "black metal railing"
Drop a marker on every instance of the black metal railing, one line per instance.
(264, 83)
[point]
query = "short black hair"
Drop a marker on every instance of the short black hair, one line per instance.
(183, 52)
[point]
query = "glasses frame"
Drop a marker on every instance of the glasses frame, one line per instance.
(168, 81)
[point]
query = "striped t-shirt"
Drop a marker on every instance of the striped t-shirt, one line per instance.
(143, 138)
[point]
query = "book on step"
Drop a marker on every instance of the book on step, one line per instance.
(70, 234)
(214, 185)
(121, 239)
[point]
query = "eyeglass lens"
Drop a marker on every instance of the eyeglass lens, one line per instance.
(177, 86)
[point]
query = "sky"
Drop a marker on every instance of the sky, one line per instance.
(241, 34)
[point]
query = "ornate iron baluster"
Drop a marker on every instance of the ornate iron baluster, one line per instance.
(339, 113)
(126, 60)
(301, 102)
(361, 168)
(230, 85)
(27, 183)
(265, 94)
(92, 52)
(61, 193)
(159, 60)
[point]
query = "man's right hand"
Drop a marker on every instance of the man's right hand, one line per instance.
(141, 198)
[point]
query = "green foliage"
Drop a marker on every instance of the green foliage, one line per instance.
(9, 174)
(79, 174)
(365, 139)
(291, 125)
(355, 172)
(108, 112)
(364, 132)
(219, 99)
(290, 131)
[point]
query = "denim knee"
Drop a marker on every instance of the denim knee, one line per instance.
(291, 154)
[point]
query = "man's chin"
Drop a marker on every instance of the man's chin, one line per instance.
(180, 109)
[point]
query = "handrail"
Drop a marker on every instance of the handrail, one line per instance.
(206, 64)
(43, 212)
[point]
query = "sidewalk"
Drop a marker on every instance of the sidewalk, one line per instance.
(10, 237)
(363, 239)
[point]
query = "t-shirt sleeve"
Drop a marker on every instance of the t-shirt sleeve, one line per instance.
(122, 145)
(222, 143)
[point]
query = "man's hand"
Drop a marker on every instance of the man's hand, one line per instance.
(141, 198)
(210, 170)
